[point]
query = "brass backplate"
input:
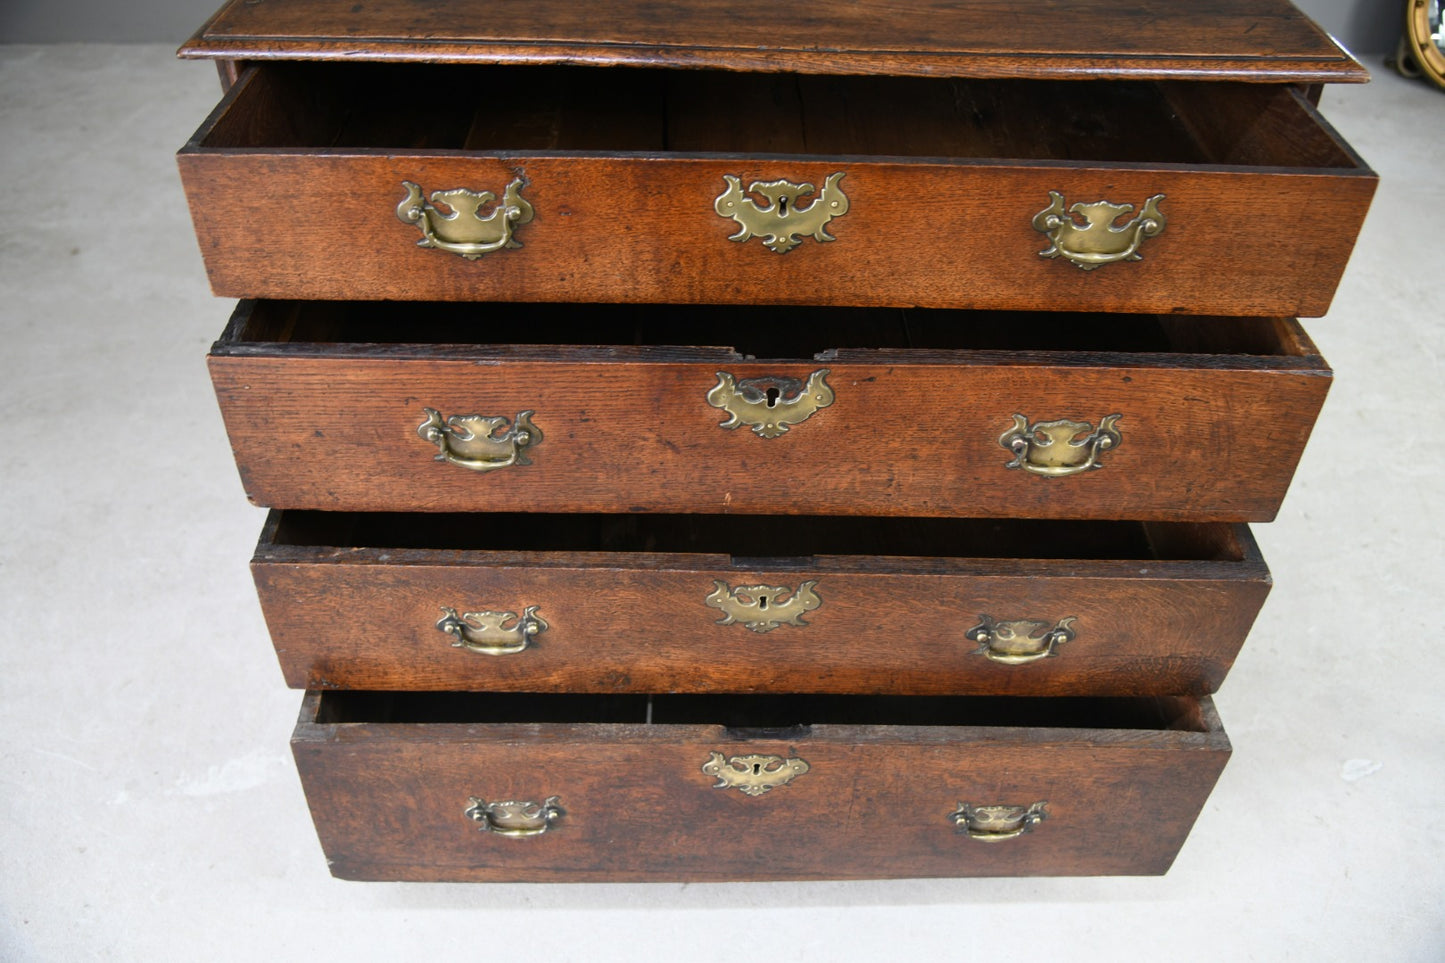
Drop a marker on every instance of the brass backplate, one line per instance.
(991, 824)
(1060, 447)
(489, 633)
(781, 222)
(1098, 239)
(480, 442)
(753, 775)
(1018, 641)
(763, 608)
(514, 818)
(770, 405)
(457, 227)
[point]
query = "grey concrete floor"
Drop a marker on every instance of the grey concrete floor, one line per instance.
(148, 807)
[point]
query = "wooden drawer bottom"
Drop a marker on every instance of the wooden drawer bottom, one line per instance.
(520, 787)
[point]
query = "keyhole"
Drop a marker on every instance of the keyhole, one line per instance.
(762, 601)
(757, 768)
(782, 206)
(773, 394)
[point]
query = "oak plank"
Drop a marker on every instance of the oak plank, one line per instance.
(911, 431)
(1255, 40)
(388, 798)
(361, 613)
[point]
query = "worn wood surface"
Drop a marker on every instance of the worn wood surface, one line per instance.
(293, 183)
(1256, 40)
(1256, 235)
(633, 618)
(1211, 437)
(388, 799)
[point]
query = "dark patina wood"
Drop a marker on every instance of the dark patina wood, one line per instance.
(388, 779)
(951, 124)
(912, 430)
(294, 183)
(1254, 40)
(353, 602)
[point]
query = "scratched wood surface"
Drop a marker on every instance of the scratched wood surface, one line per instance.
(388, 787)
(294, 183)
(1258, 40)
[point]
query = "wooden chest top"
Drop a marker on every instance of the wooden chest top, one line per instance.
(1252, 40)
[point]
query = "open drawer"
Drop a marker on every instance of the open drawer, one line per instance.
(430, 407)
(441, 786)
(657, 603)
(535, 183)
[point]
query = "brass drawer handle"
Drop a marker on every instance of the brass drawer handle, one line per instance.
(991, 824)
(753, 775)
(1017, 641)
(1097, 241)
(480, 442)
(487, 632)
(464, 231)
(514, 818)
(770, 404)
(763, 608)
(1061, 447)
(780, 222)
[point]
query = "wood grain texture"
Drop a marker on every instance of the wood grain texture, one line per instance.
(365, 618)
(388, 800)
(1256, 40)
(293, 182)
(229, 71)
(639, 227)
(1211, 437)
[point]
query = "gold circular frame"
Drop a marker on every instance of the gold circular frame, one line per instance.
(1422, 46)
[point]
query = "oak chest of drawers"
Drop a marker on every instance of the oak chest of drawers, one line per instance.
(733, 441)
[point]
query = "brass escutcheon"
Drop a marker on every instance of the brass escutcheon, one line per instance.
(514, 818)
(763, 608)
(781, 223)
(753, 775)
(770, 404)
(464, 231)
(990, 824)
(1061, 447)
(480, 442)
(487, 632)
(1017, 641)
(1098, 240)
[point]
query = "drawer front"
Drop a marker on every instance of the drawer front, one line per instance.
(560, 802)
(1120, 609)
(1241, 222)
(959, 433)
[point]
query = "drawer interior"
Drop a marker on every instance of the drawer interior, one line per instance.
(800, 333)
(756, 538)
(550, 109)
(765, 715)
